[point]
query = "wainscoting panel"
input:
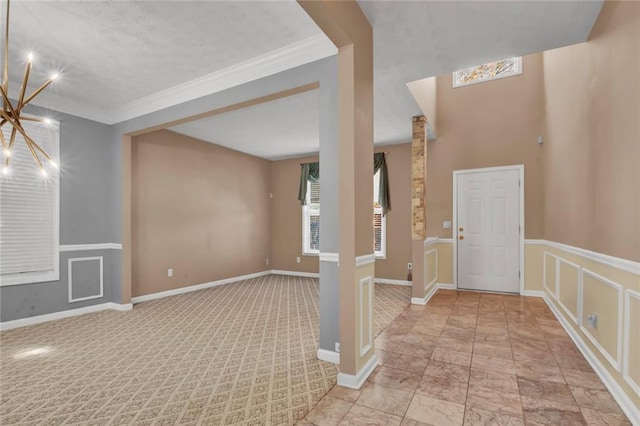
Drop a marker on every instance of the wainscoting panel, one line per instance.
(631, 355)
(550, 274)
(568, 285)
(86, 278)
(431, 267)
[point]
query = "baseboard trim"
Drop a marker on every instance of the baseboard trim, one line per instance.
(295, 273)
(356, 381)
(629, 408)
(424, 300)
(393, 282)
(24, 322)
(329, 356)
(189, 289)
(533, 293)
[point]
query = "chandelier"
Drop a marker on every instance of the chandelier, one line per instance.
(12, 113)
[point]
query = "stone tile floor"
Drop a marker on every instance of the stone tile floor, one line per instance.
(474, 359)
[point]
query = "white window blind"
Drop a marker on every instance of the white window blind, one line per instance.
(311, 220)
(29, 211)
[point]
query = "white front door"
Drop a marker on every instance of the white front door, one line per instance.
(488, 230)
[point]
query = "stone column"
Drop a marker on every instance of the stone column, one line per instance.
(418, 204)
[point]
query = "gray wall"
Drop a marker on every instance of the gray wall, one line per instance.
(88, 182)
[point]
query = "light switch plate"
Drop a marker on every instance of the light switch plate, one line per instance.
(446, 224)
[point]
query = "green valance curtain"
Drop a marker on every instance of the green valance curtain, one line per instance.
(310, 172)
(380, 163)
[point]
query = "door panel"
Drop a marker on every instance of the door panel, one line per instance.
(488, 219)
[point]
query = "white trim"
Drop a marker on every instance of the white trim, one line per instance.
(445, 240)
(617, 361)
(629, 408)
(328, 356)
(393, 282)
(365, 259)
(293, 273)
(23, 322)
(356, 381)
(70, 262)
(533, 293)
(90, 247)
(431, 240)
(329, 257)
(287, 57)
(435, 279)
(577, 318)
(533, 242)
(616, 262)
(456, 173)
(627, 337)
(366, 348)
(544, 273)
(182, 290)
(518, 70)
(425, 299)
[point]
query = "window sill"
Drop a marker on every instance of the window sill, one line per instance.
(311, 254)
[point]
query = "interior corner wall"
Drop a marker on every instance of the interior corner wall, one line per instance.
(489, 124)
(197, 208)
(592, 137)
(88, 179)
(286, 226)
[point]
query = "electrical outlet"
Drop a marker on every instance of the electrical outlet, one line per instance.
(337, 346)
(592, 320)
(410, 266)
(170, 272)
(298, 259)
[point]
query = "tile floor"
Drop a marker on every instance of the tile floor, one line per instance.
(474, 359)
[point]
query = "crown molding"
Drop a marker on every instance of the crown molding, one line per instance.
(284, 58)
(287, 57)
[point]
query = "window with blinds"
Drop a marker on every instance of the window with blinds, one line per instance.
(29, 211)
(311, 220)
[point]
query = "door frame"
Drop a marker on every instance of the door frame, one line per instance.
(520, 169)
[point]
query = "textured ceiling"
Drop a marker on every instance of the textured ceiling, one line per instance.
(419, 39)
(285, 127)
(114, 52)
(131, 55)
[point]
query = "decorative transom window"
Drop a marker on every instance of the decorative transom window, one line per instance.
(29, 211)
(311, 220)
(487, 72)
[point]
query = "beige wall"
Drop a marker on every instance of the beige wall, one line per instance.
(198, 208)
(486, 125)
(592, 147)
(286, 224)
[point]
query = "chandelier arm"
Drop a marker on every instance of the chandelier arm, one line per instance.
(3, 140)
(2, 123)
(38, 119)
(36, 93)
(34, 154)
(18, 127)
(36, 146)
(23, 89)
(5, 77)
(8, 104)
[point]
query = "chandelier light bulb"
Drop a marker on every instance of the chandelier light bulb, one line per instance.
(30, 57)
(54, 164)
(47, 120)
(5, 170)
(54, 76)
(43, 172)
(7, 152)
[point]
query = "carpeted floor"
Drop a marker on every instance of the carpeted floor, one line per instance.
(243, 353)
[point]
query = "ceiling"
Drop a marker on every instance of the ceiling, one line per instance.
(123, 59)
(282, 128)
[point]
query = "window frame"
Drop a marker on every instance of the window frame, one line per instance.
(518, 70)
(306, 223)
(54, 274)
(382, 254)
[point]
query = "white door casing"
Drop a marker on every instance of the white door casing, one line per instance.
(488, 220)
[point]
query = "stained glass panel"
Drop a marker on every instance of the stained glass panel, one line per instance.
(489, 71)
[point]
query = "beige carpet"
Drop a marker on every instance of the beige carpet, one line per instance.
(243, 353)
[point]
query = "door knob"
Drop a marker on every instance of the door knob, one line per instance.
(461, 229)
(461, 237)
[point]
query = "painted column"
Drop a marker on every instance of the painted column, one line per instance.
(348, 28)
(418, 204)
